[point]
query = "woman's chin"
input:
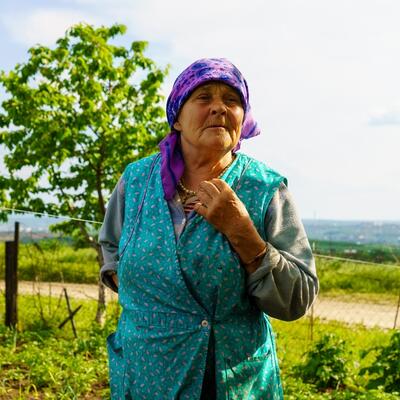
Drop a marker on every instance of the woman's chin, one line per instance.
(219, 145)
(218, 142)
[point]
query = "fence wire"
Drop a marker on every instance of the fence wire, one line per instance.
(353, 292)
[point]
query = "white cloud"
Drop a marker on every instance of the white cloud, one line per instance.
(315, 71)
(384, 117)
(42, 26)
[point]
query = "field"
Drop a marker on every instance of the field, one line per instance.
(52, 261)
(44, 362)
(378, 253)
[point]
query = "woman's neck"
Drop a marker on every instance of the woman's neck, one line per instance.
(198, 168)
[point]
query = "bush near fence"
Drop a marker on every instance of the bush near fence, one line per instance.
(42, 361)
(348, 283)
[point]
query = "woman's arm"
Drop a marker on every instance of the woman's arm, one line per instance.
(110, 234)
(285, 284)
(281, 272)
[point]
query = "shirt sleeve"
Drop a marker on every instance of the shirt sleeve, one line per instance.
(110, 234)
(286, 284)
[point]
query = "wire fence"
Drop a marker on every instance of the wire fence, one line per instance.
(353, 292)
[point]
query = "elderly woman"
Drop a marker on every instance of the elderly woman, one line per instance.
(206, 244)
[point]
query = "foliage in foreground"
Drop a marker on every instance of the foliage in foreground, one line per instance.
(325, 364)
(350, 345)
(385, 372)
(42, 361)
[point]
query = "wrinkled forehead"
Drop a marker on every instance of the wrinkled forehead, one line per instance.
(214, 86)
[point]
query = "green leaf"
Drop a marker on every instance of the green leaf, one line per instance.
(74, 116)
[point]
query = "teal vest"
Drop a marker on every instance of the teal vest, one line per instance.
(173, 292)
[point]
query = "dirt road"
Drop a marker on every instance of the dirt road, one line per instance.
(368, 314)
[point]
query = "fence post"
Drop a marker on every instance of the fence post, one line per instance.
(311, 326)
(12, 279)
(397, 313)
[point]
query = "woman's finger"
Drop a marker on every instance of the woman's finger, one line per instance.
(220, 184)
(209, 188)
(204, 195)
(201, 209)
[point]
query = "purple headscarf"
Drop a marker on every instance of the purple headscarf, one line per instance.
(198, 73)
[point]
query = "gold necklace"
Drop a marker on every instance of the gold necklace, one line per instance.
(191, 193)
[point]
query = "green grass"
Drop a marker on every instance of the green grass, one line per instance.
(379, 253)
(337, 276)
(42, 361)
(294, 340)
(54, 261)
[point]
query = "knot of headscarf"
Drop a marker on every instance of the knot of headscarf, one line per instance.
(198, 73)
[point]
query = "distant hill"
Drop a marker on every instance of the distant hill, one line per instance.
(359, 232)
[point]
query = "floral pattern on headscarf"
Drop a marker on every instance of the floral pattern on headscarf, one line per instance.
(198, 73)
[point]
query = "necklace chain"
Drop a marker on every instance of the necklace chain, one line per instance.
(191, 193)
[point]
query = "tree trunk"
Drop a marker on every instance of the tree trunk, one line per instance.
(101, 300)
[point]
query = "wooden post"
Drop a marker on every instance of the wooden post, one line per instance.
(397, 313)
(71, 314)
(311, 326)
(12, 279)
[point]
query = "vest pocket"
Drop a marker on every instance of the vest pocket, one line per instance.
(116, 365)
(253, 378)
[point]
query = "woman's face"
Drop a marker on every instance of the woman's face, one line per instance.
(211, 118)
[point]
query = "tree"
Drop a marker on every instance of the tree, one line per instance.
(76, 115)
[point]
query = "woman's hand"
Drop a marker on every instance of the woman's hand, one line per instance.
(222, 208)
(114, 277)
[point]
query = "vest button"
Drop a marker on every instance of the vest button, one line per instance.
(204, 323)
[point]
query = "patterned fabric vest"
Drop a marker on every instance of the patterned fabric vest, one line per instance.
(173, 292)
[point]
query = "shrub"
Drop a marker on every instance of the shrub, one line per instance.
(385, 371)
(325, 365)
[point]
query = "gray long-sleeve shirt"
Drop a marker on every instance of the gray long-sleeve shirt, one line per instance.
(284, 286)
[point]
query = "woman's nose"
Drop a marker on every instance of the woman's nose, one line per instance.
(218, 106)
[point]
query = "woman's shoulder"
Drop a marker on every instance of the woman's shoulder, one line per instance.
(141, 166)
(261, 168)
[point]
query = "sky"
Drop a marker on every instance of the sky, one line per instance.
(323, 77)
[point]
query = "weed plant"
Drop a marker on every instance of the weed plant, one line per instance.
(40, 361)
(300, 351)
(54, 261)
(337, 276)
(326, 365)
(385, 371)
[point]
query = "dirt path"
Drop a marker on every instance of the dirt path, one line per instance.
(368, 314)
(75, 290)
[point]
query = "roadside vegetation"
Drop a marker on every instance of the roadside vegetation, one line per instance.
(325, 361)
(377, 253)
(56, 261)
(41, 361)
